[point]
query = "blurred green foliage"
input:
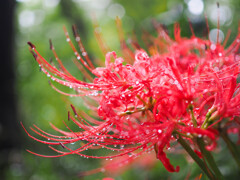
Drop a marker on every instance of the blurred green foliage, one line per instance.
(39, 20)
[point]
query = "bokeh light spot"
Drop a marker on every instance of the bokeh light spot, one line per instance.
(51, 4)
(195, 7)
(116, 10)
(216, 34)
(26, 18)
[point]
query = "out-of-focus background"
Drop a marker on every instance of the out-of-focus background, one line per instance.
(27, 97)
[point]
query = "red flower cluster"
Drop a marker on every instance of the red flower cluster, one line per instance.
(147, 100)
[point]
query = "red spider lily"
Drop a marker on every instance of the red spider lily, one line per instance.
(108, 178)
(145, 101)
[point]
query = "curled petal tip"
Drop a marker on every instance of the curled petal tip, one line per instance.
(177, 169)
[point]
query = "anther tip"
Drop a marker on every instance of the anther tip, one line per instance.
(74, 29)
(50, 44)
(31, 45)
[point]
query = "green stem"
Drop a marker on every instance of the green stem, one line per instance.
(194, 121)
(232, 147)
(209, 159)
(195, 158)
